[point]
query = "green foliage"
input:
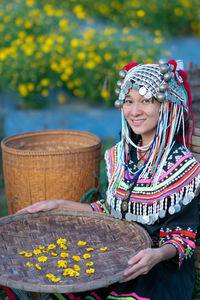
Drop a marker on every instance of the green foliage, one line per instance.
(46, 45)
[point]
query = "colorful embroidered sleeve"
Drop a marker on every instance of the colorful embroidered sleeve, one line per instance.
(100, 206)
(180, 230)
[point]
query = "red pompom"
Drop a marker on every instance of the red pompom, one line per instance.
(130, 66)
(174, 63)
(183, 74)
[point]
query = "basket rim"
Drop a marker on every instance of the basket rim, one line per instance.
(52, 288)
(50, 132)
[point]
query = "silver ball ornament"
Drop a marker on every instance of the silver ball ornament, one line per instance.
(164, 68)
(117, 91)
(161, 61)
(163, 88)
(167, 76)
(171, 67)
(161, 97)
(122, 74)
(119, 83)
(118, 103)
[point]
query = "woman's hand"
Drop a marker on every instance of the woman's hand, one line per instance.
(53, 204)
(146, 259)
(41, 206)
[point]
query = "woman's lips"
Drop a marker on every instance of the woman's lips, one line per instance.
(138, 122)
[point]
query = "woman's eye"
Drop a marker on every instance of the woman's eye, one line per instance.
(127, 101)
(146, 100)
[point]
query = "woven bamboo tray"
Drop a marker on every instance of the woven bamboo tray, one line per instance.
(49, 164)
(28, 231)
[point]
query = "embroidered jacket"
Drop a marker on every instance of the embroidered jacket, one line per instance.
(168, 210)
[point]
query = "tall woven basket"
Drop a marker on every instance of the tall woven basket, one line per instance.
(49, 164)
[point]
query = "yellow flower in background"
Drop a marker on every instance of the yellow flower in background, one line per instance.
(70, 84)
(60, 39)
(30, 87)
(53, 253)
(90, 64)
(63, 23)
(59, 13)
(45, 82)
(105, 94)
(141, 13)
(38, 55)
(157, 32)
(126, 30)
(22, 252)
(30, 2)
(158, 40)
(74, 43)
(28, 25)
(18, 21)
(22, 34)
(81, 55)
(1, 27)
(107, 56)
(76, 92)
(178, 11)
(45, 93)
(29, 264)
(7, 19)
(79, 11)
(40, 247)
(23, 92)
(186, 3)
(62, 99)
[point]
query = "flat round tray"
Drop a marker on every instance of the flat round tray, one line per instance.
(26, 232)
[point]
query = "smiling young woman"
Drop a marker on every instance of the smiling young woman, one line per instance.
(153, 180)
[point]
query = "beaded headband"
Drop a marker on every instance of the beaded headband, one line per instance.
(163, 81)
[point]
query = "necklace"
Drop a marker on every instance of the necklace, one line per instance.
(141, 159)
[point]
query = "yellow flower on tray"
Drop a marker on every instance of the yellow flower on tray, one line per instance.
(89, 264)
(103, 249)
(49, 275)
(81, 243)
(51, 246)
(22, 252)
(90, 271)
(86, 256)
(64, 255)
(61, 241)
(70, 272)
(38, 267)
(62, 264)
(41, 247)
(42, 258)
(37, 251)
(76, 258)
(77, 268)
(28, 264)
(62, 246)
(54, 279)
(28, 254)
(54, 253)
(90, 249)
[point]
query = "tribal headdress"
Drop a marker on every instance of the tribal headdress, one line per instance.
(167, 83)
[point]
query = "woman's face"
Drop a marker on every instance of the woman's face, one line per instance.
(141, 114)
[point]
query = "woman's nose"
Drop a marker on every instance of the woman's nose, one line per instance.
(136, 109)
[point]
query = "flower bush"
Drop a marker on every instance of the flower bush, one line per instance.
(79, 46)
